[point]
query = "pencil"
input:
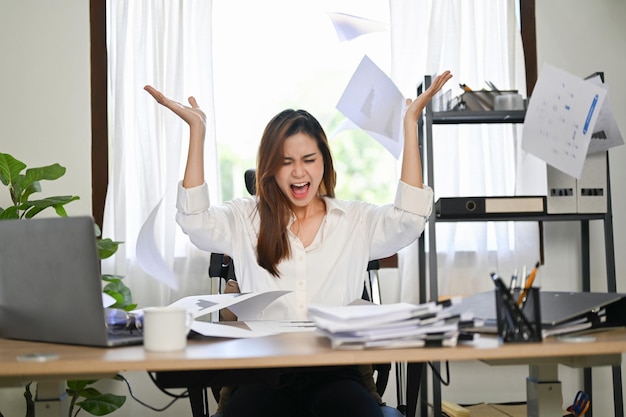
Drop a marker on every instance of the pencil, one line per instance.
(528, 285)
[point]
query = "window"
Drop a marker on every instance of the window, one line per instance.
(279, 54)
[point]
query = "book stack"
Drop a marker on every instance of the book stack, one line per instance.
(366, 325)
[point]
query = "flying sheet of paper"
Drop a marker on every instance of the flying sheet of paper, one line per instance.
(349, 27)
(561, 118)
(373, 102)
(148, 256)
(246, 305)
(606, 134)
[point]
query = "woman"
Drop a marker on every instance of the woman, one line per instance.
(295, 235)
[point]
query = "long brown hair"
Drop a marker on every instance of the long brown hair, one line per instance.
(273, 206)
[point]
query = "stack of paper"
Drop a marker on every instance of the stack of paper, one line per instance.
(362, 326)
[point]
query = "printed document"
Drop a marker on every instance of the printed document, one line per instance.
(561, 118)
(606, 135)
(373, 103)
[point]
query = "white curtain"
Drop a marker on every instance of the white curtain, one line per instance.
(165, 43)
(478, 41)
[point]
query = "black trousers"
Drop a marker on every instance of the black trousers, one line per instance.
(318, 392)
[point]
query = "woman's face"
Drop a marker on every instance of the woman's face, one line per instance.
(302, 171)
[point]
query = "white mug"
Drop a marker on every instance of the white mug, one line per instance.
(165, 329)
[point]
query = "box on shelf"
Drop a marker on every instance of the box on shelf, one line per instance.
(591, 188)
(561, 192)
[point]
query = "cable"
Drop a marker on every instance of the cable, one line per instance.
(176, 397)
(438, 375)
(164, 391)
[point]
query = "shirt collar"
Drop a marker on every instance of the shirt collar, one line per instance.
(332, 205)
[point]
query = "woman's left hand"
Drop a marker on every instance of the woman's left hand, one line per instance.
(415, 107)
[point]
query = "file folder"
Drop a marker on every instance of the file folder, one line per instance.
(562, 189)
(591, 188)
(454, 207)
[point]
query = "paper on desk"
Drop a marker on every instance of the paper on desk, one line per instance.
(107, 300)
(243, 305)
(606, 134)
(253, 328)
(368, 316)
(374, 103)
(349, 27)
(148, 256)
(281, 326)
(224, 330)
(561, 118)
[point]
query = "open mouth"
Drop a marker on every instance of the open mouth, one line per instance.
(301, 189)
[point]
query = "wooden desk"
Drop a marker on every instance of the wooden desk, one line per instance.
(288, 350)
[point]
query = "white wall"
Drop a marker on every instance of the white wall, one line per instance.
(582, 37)
(45, 118)
(44, 79)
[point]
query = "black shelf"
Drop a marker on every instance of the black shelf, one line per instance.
(478, 117)
(522, 217)
(428, 273)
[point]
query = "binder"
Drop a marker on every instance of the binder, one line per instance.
(591, 188)
(558, 309)
(562, 190)
(477, 207)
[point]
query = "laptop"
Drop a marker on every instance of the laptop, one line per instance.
(50, 284)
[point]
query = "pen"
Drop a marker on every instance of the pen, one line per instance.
(513, 281)
(528, 285)
(523, 277)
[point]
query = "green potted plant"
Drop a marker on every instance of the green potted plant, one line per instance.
(22, 183)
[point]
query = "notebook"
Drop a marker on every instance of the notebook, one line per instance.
(50, 284)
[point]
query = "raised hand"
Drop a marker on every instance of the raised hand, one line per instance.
(196, 119)
(415, 107)
(192, 114)
(411, 171)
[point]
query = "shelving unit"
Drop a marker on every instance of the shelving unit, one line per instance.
(428, 273)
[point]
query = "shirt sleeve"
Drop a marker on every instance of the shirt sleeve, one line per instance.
(192, 200)
(205, 225)
(414, 199)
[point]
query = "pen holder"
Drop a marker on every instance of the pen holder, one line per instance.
(518, 323)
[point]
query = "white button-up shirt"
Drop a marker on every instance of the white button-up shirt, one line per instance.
(331, 270)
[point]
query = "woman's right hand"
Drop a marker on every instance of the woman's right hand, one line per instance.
(196, 119)
(192, 114)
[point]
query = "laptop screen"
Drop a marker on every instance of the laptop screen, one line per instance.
(50, 282)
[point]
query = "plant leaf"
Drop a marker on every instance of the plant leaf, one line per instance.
(50, 172)
(89, 392)
(34, 187)
(111, 278)
(107, 247)
(10, 168)
(120, 292)
(78, 385)
(10, 213)
(103, 404)
(37, 206)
